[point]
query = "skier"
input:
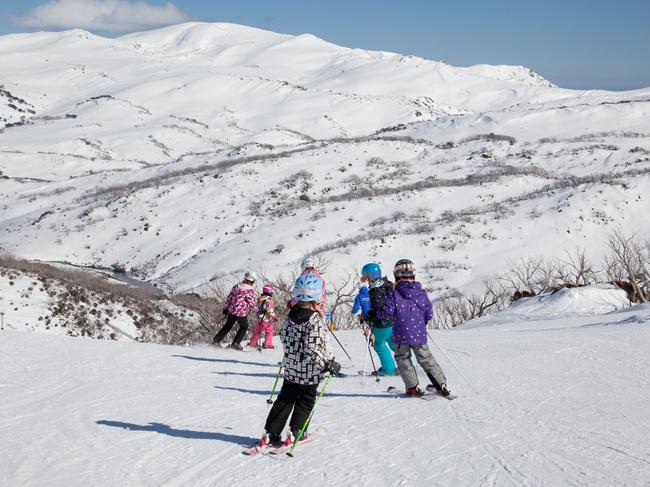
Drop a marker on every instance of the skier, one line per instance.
(266, 317)
(381, 329)
(308, 267)
(240, 301)
(306, 360)
(409, 306)
(361, 303)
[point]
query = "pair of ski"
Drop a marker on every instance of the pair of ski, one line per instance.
(271, 450)
(430, 394)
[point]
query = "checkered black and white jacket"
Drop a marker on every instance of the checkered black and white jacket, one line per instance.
(306, 346)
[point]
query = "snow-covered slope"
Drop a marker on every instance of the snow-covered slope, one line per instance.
(548, 402)
(204, 149)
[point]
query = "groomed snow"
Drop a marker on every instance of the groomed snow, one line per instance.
(548, 402)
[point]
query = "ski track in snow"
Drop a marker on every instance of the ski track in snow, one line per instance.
(552, 402)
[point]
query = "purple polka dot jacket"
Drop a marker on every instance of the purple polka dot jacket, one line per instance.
(410, 308)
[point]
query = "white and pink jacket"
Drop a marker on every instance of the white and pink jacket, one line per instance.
(241, 300)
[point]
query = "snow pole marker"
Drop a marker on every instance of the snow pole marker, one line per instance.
(275, 384)
(308, 420)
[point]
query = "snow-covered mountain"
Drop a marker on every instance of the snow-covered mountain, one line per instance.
(204, 149)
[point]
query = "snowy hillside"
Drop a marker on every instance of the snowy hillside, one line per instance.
(550, 401)
(204, 149)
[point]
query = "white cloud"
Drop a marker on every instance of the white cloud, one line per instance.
(101, 15)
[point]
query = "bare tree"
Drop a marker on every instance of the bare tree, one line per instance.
(628, 265)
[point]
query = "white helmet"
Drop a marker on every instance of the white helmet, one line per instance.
(250, 276)
(307, 263)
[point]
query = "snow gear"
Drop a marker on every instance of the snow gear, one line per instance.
(242, 321)
(378, 290)
(268, 289)
(308, 288)
(303, 431)
(241, 300)
(382, 328)
(425, 360)
(307, 263)
(287, 444)
(306, 360)
(306, 346)
(404, 268)
(296, 400)
(371, 270)
(275, 384)
(307, 281)
(250, 276)
(383, 347)
(411, 309)
(266, 317)
(362, 302)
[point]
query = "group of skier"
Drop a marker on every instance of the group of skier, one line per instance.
(394, 316)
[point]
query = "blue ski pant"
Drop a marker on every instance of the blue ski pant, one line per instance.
(383, 346)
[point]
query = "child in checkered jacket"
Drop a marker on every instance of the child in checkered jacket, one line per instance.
(306, 361)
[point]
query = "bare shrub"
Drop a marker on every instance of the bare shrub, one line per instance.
(628, 265)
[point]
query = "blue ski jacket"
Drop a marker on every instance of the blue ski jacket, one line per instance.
(362, 302)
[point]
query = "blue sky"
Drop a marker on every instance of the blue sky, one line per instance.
(574, 43)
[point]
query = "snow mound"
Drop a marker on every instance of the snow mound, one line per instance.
(582, 301)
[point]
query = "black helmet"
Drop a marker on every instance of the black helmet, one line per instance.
(404, 268)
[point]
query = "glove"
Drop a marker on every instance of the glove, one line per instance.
(331, 326)
(372, 340)
(225, 312)
(333, 366)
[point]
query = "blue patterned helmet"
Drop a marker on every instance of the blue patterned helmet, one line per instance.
(308, 287)
(371, 270)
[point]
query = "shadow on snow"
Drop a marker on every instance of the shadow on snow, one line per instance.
(178, 433)
(228, 361)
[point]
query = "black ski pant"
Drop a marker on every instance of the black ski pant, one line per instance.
(297, 397)
(230, 321)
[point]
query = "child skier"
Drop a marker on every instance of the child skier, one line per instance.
(266, 317)
(381, 328)
(306, 360)
(362, 303)
(410, 307)
(240, 301)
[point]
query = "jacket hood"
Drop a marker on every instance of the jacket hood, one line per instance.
(300, 315)
(412, 290)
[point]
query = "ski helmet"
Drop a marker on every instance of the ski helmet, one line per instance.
(404, 268)
(268, 289)
(307, 263)
(371, 270)
(250, 276)
(308, 287)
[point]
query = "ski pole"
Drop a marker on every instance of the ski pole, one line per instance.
(340, 345)
(365, 360)
(308, 420)
(275, 384)
(450, 360)
(372, 361)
